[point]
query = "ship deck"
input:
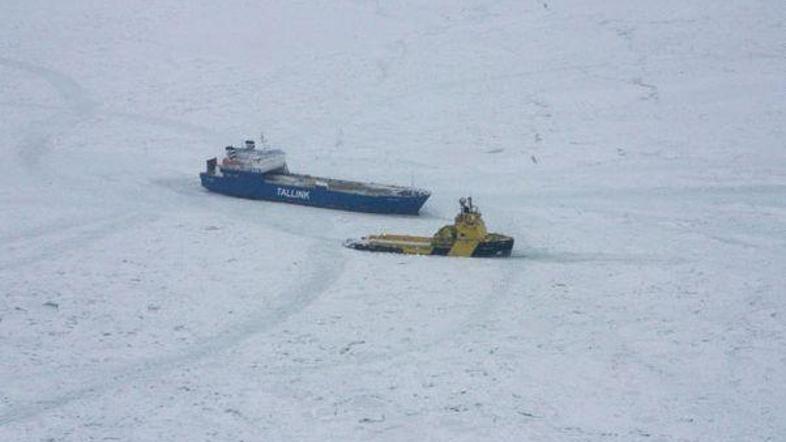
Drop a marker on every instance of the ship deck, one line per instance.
(357, 187)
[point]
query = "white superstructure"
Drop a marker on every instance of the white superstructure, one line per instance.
(250, 159)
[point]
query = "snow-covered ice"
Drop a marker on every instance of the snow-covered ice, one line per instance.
(634, 149)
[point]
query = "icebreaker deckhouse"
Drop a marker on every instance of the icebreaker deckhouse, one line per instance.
(466, 237)
(262, 174)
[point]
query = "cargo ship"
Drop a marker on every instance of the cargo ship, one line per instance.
(262, 174)
(467, 237)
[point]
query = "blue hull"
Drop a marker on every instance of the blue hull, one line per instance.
(257, 186)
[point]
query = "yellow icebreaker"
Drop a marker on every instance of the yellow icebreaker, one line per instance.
(466, 237)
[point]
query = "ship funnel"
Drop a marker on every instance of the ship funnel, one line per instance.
(249, 144)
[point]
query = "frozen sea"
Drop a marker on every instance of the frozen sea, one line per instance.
(634, 149)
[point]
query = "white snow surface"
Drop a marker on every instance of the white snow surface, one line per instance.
(634, 149)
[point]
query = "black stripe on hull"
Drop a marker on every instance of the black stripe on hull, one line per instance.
(440, 251)
(374, 247)
(492, 249)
